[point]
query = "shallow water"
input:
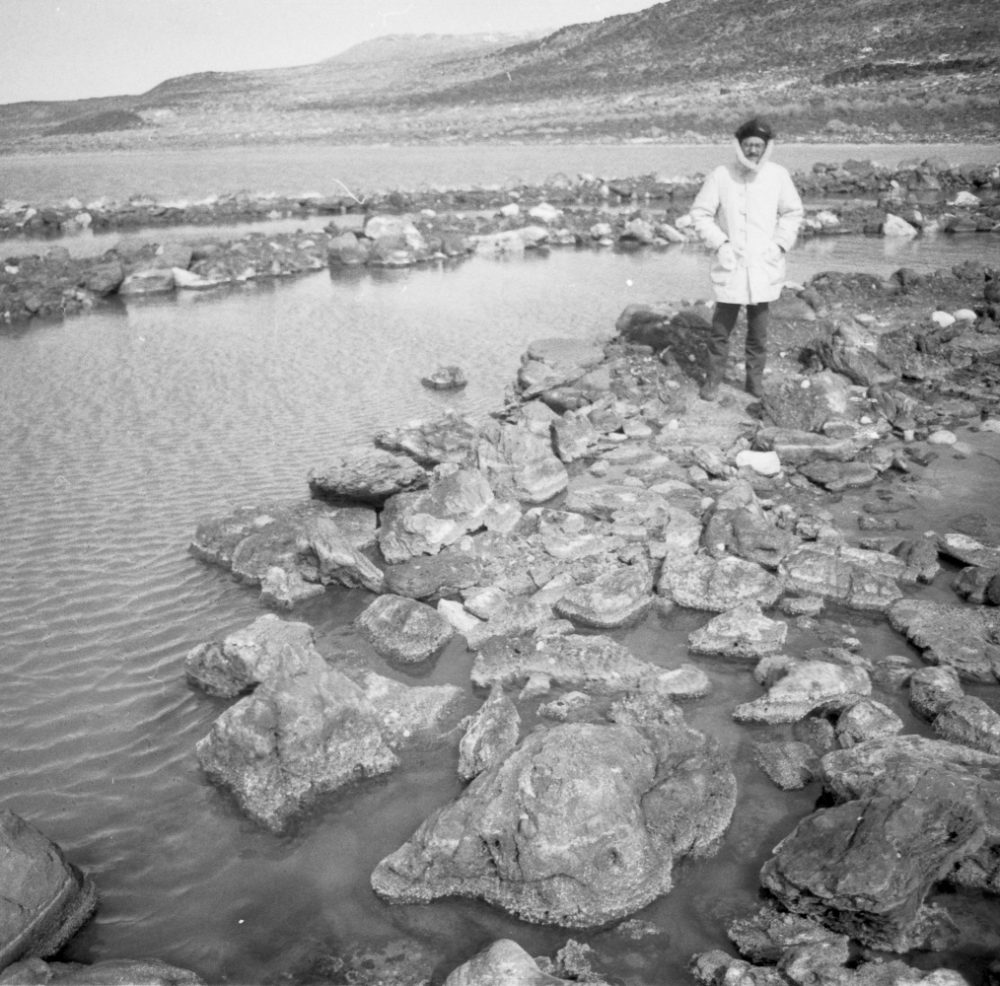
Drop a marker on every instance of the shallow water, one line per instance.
(122, 428)
(362, 169)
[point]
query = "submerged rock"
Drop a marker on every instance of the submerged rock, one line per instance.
(581, 825)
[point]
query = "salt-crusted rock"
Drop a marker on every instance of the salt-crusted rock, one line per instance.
(593, 663)
(581, 825)
(366, 475)
(455, 504)
(806, 687)
(490, 736)
(520, 465)
(854, 577)
(865, 720)
(404, 629)
(617, 598)
(741, 632)
(452, 438)
(702, 582)
(265, 649)
(961, 637)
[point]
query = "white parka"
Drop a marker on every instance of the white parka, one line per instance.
(756, 208)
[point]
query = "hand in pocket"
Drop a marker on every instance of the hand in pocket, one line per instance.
(727, 256)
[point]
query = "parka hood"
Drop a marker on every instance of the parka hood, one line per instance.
(753, 166)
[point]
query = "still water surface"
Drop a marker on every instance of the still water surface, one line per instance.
(121, 428)
(326, 169)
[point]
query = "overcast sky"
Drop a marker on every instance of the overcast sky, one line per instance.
(72, 49)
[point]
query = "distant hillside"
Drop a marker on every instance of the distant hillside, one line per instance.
(855, 69)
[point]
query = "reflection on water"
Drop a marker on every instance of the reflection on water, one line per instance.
(120, 430)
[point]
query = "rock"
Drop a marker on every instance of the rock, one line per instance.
(701, 582)
(366, 475)
(449, 438)
(617, 598)
(447, 573)
(581, 825)
(155, 280)
(446, 378)
(503, 963)
(978, 585)
(594, 663)
(293, 739)
(853, 577)
(109, 972)
(865, 720)
(970, 721)
(791, 765)
(863, 868)
(347, 250)
(281, 589)
(742, 632)
(298, 736)
(900, 767)
(104, 278)
(491, 735)
(266, 649)
(768, 934)
(520, 465)
(960, 637)
(322, 543)
(762, 463)
(455, 504)
(839, 476)
(969, 550)
(738, 524)
(45, 898)
(895, 226)
(807, 686)
(403, 629)
(549, 363)
(932, 690)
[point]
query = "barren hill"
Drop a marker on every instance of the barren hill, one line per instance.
(851, 68)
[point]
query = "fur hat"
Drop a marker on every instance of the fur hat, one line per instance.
(756, 127)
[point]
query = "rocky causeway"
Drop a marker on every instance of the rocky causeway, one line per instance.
(604, 493)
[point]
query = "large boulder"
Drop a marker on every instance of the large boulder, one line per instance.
(864, 867)
(45, 899)
(581, 825)
(300, 735)
(899, 767)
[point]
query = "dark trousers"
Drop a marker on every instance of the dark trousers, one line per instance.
(723, 323)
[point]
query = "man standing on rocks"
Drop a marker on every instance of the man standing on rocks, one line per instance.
(749, 213)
